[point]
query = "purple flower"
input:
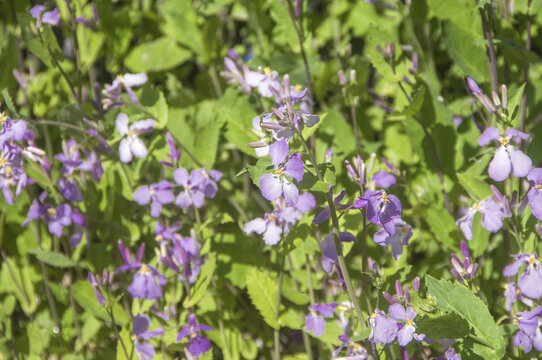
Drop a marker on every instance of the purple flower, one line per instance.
(530, 282)
(209, 180)
(466, 270)
(451, 355)
(144, 285)
(269, 227)
(273, 186)
(174, 154)
(400, 237)
(167, 233)
(315, 320)
(383, 179)
(511, 294)
(529, 334)
(507, 159)
(329, 251)
(159, 193)
(144, 350)
(355, 350)
(198, 344)
(96, 289)
(492, 217)
(11, 129)
(131, 144)
(127, 81)
(11, 172)
(93, 165)
(192, 195)
(325, 214)
(184, 256)
(58, 218)
(48, 17)
(483, 98)
(407, 332)
(383, 329)
(382, 209)
(535, 193)
(401, 297)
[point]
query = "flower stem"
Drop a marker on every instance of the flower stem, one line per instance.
(526, 71)
(336, 236)
(277, 310)
(492, 59)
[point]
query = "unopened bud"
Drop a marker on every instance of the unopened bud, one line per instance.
(352, 76)
(329, 155)
(350, 170)
(486, 101)
(388, 297)
(496, 99)
(258, 133)
(257, 144)
(415, 62)
(277, 113)
(272, 126)
(398, 288)
(416, 283)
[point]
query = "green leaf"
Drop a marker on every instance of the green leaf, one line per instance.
(8, 101)
(480, 237)
(53, 258)
(449, 326)
(514, 107)
(155, 103)
(477, 189)
(442, 224)
(457, 298)
(263, 166)
(158, 55)
(263, 294)
(311, 183)
(204, 279)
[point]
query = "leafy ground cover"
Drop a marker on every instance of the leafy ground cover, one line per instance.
(267, 179)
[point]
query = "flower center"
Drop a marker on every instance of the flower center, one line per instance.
(51, 211)
(271, 217)
(385, 198)
(373, 315)
(144, 269)
(538, 186)
(404, 230)
(7, 171)
(476, 206)
(267, 71)
(279, 172)
(159, 237)
(2, 162)
(409, 322)
(532, 260)
(134, 338)
(3, 118)
(131, 133)
(298, 88)
(505, 141)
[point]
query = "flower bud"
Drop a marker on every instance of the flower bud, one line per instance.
(342, 78)
(416, 283)
(352, 76)
(272, 126)
(504, 96)
(496, 99)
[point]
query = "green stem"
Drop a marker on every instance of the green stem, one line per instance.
(112, 317)
(277, 311)
(336, 236)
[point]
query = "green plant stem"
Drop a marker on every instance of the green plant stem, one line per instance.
(526, 74)
(221, 321)
(13, 278)
(354, 120)
(59, 124)
(336, 236)
(492, 59)
(65, 76)
(117, 336)
(277, 310)
(303, 54)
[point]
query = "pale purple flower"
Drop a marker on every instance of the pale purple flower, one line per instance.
(197, 344)
(162, 232)
(96, 288)
(382, 209)
(159, 194)
(48, 17)
(273, 186)
(354, 350)
(535, 193)
(383, 329)
(407, 330)
(209, 180)
(326, 213)
(466, 270)
(174, 154)
(12, 172)
(144, 350)
(401, 297)
(11, 129)
(529, 334)
(93, 165)
(492, 217)
(234, 75)
(57, 218)
(269, 227)
(184, 258)
(511, 294)
(483, 98)
(314, 321)
(144, 284)
(451, 354)
(127, 82)
(193, 194)
(530, 282)
(400, 237)
(507, 159)
(132, 145)
(383, 179)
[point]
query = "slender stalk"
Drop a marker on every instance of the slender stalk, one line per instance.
(526, 69)
(76, 53)
(492, 59)
(117, 336)
(15, 281)
(336, 236)
(221, 321)
(303, 54)
(65, 76)
(59, 124)
(309, 280)
(277, 311)
(354, 120)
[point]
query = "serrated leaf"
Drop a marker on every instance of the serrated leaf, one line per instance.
(263, 294)
(514, 107)
(263, 166)
(476, 188)
(204, 279)
(459, 299)
(449, 326)
(8, 101)
(53, 258)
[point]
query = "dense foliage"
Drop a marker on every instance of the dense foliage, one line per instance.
(294, 179)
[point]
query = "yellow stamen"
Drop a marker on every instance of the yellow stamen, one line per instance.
(279, 172)
(476, 206)
(2, 161)
(373, 315)
(7, 171)
(51, 211)
(134, 338)
(404, 230)
(144, 268)
(131, 133)
(538, 186)
(271, 217)
(504, 141)
(532, 260)
(3, 117)
(298, 88)
(159, 237)
(385, 197)
(267, 71)
(409, 322)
